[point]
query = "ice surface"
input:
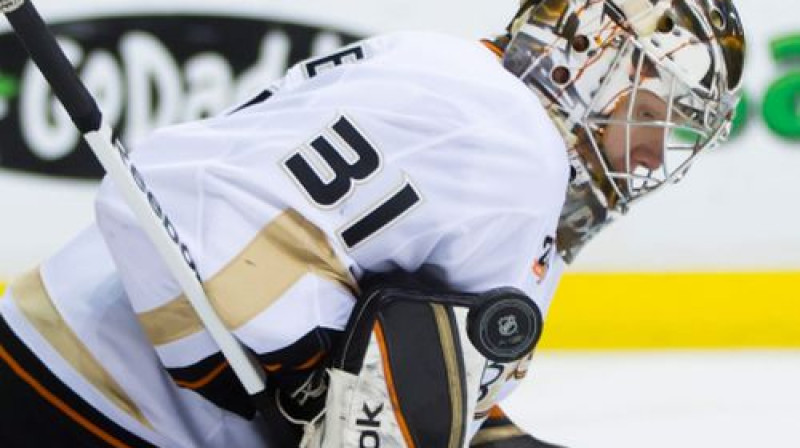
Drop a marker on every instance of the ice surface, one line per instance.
(662, 399)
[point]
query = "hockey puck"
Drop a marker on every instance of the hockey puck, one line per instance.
(506, 326)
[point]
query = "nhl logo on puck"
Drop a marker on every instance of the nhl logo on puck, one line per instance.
(505, 326)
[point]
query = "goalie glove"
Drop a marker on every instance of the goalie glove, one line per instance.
(408, 370)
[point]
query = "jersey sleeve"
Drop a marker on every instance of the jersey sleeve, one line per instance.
(271, 275)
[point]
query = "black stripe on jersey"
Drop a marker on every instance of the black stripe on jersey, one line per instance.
(260, 98)
(214, 379)
(387, 212)
(305, 354)
(38, 410)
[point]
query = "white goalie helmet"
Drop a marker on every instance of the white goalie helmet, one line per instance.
(638, 88)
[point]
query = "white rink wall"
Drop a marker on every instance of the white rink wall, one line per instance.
(736, 211)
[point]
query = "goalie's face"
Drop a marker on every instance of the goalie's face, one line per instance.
(631, 148)
(644, 126)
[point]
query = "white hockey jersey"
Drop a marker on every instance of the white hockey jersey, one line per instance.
(400, 151)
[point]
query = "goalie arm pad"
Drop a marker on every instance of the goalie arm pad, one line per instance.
(408, 372)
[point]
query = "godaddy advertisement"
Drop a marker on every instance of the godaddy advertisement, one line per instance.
(146, 71)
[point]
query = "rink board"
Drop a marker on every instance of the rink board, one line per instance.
(677, 310)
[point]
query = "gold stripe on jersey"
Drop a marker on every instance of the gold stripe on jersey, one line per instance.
(32, 299)
(170, 322)
(288, 248)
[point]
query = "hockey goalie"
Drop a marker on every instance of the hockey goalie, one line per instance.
(383, 229)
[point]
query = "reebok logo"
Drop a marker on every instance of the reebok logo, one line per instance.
(370, 437)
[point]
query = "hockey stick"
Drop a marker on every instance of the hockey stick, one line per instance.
(84, 112)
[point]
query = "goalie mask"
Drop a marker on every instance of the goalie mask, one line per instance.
(638, 88)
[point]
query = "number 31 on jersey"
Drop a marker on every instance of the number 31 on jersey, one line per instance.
(335, 167)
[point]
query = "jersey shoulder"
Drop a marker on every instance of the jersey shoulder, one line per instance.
(504, 130)
(407, 70)
(449, 63)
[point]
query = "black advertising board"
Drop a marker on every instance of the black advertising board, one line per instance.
(146, 71)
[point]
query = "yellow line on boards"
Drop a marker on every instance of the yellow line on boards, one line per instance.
(675, 310)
